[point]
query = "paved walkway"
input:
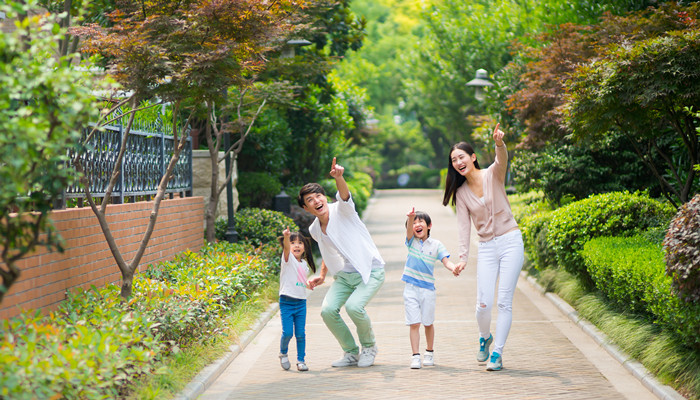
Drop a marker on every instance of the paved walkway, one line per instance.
(546, 357)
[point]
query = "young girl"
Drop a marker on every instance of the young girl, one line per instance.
(293, 274)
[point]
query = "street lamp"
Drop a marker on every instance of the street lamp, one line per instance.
(288, 51)
(480, 82)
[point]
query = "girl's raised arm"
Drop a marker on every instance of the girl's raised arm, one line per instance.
(286, 244)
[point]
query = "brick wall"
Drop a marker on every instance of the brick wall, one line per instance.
(87, 260)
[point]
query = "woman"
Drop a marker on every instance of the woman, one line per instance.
(481, 200)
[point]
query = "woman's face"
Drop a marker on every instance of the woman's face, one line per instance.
(462, 162)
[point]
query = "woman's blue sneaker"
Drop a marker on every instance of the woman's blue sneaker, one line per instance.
(496, 362)
(484, 345)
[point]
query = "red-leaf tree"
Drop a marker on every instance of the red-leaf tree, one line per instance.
(187, 53)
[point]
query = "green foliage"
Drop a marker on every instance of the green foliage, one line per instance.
(630, 272)
(682, 246)
(643, 91)
(257, 189)
(44, 102)
(577, 170)
(88, 349)
(537, 248)
(419, 176)
(96, 344)
(610, 214)
(264, 149)
(257, 226)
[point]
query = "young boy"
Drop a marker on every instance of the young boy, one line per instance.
(419, 293)
(351, 256)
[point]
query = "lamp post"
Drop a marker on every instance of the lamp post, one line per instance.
(480, 82)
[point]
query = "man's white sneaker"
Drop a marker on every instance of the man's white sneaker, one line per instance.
(348, 360)
(367, 356)
(415, 361)
(428, 359)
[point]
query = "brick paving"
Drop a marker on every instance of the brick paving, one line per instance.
(546, 356)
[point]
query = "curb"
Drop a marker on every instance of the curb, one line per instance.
(647, 379)
(208, 375)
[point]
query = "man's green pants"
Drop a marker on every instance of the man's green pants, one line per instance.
(349, 290)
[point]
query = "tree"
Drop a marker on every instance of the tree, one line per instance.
(646, 92)
(541, 71)
(43, 102)
(185, 53)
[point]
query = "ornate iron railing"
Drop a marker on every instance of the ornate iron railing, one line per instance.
(148, 152)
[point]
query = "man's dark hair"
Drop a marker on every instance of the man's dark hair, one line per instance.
(308, 189)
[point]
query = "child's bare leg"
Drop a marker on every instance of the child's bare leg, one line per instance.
(429, 336)
(415, 338)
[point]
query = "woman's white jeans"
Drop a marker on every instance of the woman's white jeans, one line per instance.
(499, 260)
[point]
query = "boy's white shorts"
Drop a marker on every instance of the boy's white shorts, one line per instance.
(420, 305)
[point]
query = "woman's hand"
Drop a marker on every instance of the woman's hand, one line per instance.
(498, 135)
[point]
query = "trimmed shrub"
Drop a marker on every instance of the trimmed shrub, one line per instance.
(621, 268)
(608, 214)
(539, 252)
(630, 272)
(682, 245)
(257, 189)
(257, 226)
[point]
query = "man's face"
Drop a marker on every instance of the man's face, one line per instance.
(316, 204)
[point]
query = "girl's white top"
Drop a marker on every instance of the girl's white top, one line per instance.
(293, 275)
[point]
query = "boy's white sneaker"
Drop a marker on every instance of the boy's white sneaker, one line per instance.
(428, 359)
(367, 356)
(348, 360)
(415, 362)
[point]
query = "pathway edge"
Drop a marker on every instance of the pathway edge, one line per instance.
(638, 370)
(208, 375)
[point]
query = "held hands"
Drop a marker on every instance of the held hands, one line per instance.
(316, 281)
(459, 268)
(498, 135)
(336, 170)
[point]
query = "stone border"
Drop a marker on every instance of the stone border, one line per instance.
(638, 370)
(208, 375)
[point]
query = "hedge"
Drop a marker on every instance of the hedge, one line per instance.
(630, 271)
(608, 214)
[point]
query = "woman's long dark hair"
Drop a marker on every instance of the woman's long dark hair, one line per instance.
(308, 254)
(454, 180)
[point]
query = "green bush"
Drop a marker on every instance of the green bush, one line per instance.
(419, 176)
(630, 272)
(609, 214)
(95, 345)
(682, 245)
(535, 232)
(91, 348)
(257, 189)
(257, 226)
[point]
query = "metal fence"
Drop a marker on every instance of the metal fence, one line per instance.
(148, 152)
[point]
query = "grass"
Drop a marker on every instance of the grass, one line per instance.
(183, 366)
(672, 363)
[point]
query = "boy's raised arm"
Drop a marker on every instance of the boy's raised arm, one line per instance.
(409, 223)
(342, 186)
